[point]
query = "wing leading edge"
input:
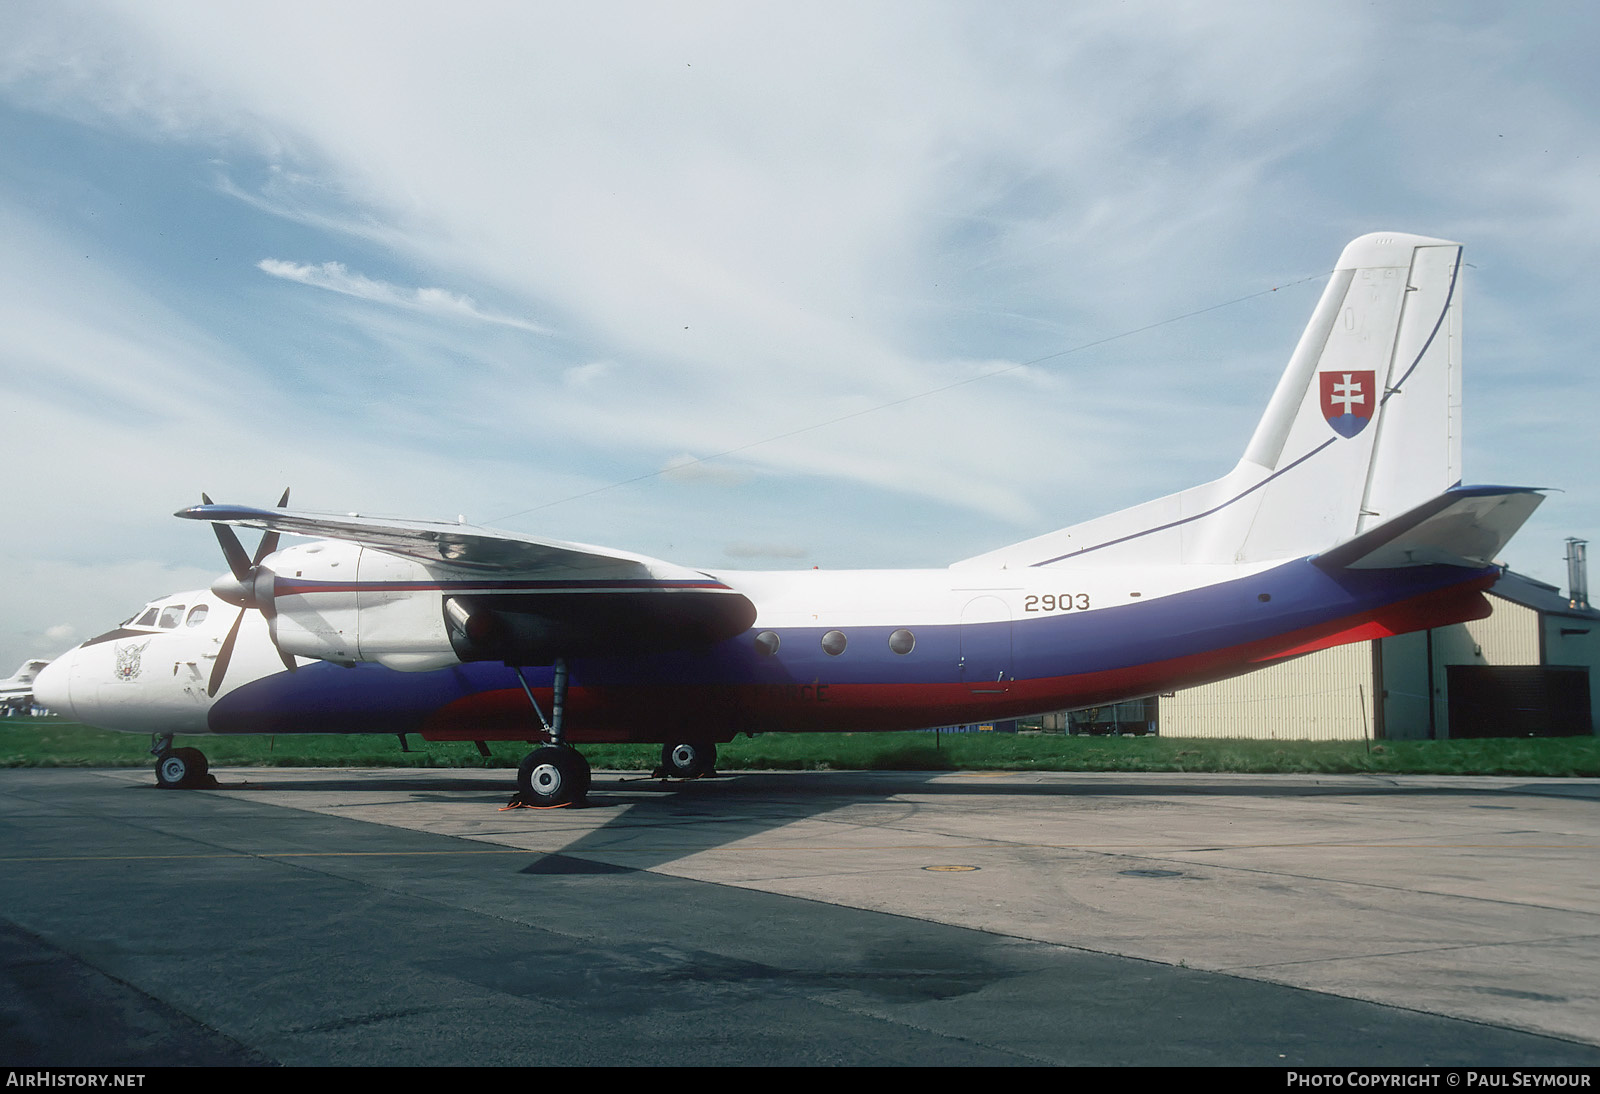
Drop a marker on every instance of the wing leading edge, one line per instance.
(463, 545)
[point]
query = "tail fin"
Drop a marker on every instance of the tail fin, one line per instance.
(1364, 426)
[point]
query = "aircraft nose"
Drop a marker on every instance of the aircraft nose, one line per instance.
(52, 688)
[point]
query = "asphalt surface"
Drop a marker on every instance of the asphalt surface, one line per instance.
(299, 916)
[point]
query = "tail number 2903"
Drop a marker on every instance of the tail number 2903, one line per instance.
(1056, 602)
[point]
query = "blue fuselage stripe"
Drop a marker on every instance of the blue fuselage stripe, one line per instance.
(1231, 614)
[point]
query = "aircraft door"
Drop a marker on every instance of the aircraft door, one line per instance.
(985, 665)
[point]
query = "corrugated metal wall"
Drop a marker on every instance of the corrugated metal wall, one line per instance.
(1508, 637)
(1323, 696)
(1569, 641)
(1329, 695)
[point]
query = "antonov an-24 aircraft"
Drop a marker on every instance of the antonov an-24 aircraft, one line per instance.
(1345, 520)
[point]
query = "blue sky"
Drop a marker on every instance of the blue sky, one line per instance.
(492, 259)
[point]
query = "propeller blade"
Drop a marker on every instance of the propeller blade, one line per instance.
(269, 544)
(224, 655)
(269, 611)
(238, 562)
(286, 658)
(245, 570)
(269, 541)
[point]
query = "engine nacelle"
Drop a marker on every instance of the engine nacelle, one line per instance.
(340, 602)
(337, 601)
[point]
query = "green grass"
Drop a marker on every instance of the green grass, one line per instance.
(47, 742)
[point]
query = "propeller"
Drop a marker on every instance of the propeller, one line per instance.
(246, 585)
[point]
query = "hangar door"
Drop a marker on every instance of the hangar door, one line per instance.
(1518, 701)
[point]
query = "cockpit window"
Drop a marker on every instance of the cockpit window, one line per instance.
(171, 616)
(148, 619)
(197, 615)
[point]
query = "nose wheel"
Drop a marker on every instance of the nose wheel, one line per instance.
(181, 769)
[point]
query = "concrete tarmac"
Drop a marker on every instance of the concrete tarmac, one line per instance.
(399, 917)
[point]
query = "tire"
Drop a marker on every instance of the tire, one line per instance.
(198, 765)
(688, 759)
(552, 776)
(175, 768)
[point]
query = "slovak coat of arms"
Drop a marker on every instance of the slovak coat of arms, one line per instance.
(1348, 400)
(128, 657)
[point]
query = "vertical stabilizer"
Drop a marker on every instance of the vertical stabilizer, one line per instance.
(1364, 425)
(1366, 422)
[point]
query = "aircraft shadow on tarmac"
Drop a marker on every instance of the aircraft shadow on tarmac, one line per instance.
(656, 821)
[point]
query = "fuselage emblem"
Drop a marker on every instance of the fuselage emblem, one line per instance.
(128, 659)
(1348, 400)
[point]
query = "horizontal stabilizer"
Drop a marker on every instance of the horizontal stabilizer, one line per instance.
(1464, 526)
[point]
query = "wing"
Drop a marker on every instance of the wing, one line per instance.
(532, 598)
(464, 545)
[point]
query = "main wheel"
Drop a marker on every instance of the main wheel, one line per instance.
(553, 775)
(688, 759)
(179, 768)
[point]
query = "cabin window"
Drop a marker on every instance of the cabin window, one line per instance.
(833, 643)
(902, 641)
(197, 615)
(767, 642)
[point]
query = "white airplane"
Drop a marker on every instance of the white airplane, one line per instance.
(1344, 520)
(16, 692)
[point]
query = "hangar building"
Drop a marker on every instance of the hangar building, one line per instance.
(1530, 669)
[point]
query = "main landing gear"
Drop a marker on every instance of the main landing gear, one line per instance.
(179, 768)
(555, 774)
(687, 760)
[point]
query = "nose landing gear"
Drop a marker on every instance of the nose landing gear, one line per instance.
(179, 768)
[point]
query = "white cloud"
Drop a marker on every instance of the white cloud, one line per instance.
(334, 277)
(746, 221)
(46, 604)
(586, 375)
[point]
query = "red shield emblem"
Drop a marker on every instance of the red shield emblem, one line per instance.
(1348, 400)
